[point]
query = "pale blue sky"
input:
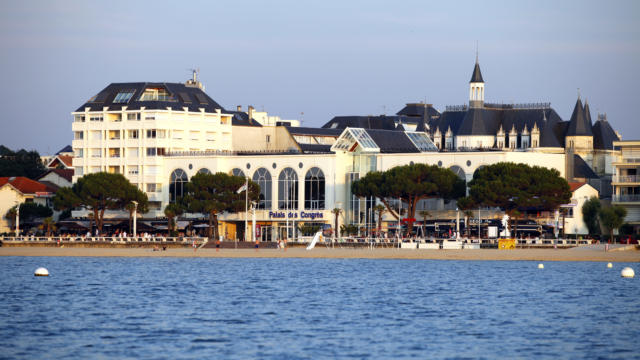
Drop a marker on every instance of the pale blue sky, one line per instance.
(323, 58)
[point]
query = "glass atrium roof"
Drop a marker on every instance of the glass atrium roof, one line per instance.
(421, 141)
(355, 136)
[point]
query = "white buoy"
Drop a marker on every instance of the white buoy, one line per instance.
(627, 272)
(609, 265)
(540, 266)
(41, 272)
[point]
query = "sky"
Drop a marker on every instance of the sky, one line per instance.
(316, 60)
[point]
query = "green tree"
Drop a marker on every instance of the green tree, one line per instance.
(213, 194)
(336, 213)
(590, 210)
(612, 218)
(518, 188)
(171, 211)
(48, 225)
(31, 210)
(97, 193)
(142, 206)
(410, 183)
(11, 215)
(21, 163)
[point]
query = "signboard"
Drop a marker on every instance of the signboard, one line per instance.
(257, 230)
(408, 220)
(306, 215)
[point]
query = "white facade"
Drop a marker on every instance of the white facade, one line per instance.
(574, 221)
(133, 143)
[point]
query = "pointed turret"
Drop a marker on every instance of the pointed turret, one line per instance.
(579, 125)
(587, 112)
(476, 88)
(476, 77)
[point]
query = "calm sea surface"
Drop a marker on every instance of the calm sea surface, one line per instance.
(144, 308)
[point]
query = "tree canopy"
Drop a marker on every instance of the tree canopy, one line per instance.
(98, 192)
(21, 163)
(612, 218)
(410, 184)
(213, 194)
(590, 210)
(517, 188)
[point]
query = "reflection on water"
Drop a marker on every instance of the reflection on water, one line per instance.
(315, 308)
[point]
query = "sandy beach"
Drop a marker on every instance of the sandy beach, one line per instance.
(576, 254)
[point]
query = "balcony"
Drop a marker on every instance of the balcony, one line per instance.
(625, 198)
(626, 179)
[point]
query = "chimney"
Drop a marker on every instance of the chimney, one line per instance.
(251, 114)
(239, 108)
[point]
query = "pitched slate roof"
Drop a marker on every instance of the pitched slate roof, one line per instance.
(365, 122)
(579, 125)
(477, 75)
(392, 141)
(315, 148)
(581, 169)
(293, 130)
(241, 119)
(25, 185)
(487, 121)
(603, 135)
(181, 96)
(420, 110)
(66, 149)
(65, 160)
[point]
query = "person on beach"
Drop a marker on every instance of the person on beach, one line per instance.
(257, 244)
(194, 245)
(218, 245)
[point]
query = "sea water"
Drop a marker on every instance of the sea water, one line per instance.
(169, 308)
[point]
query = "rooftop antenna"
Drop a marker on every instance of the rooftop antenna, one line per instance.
(193, 82)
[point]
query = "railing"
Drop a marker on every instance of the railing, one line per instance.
(626, 178)
(98, 239)
(625, 198)
(372, 242)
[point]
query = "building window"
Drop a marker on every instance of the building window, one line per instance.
(268, 139)
(79, 118)
(78, 135)
(204, 171)
(133, 116)
(237, 172)
(96, 118)
(133, 134)
(155, 151)
(151, 134)
(123, 96)
(263, 178)
(314, 189)
(288, 189)
(176, 184)
(153, 188)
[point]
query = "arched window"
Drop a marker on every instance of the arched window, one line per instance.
(314, 189)
(176, 184)
(288, 189)
(263, 178)
(204, 171)
(237, 172)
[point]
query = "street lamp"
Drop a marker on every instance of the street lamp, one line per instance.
(253, 220)
(17, 218)
(135, 215)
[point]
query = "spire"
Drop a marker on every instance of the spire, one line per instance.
(587, 112)
(578, 125)
(477, 75)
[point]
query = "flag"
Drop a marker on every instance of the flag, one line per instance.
(242, 188)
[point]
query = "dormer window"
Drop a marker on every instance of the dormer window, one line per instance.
(123, 96)
(156, 94)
